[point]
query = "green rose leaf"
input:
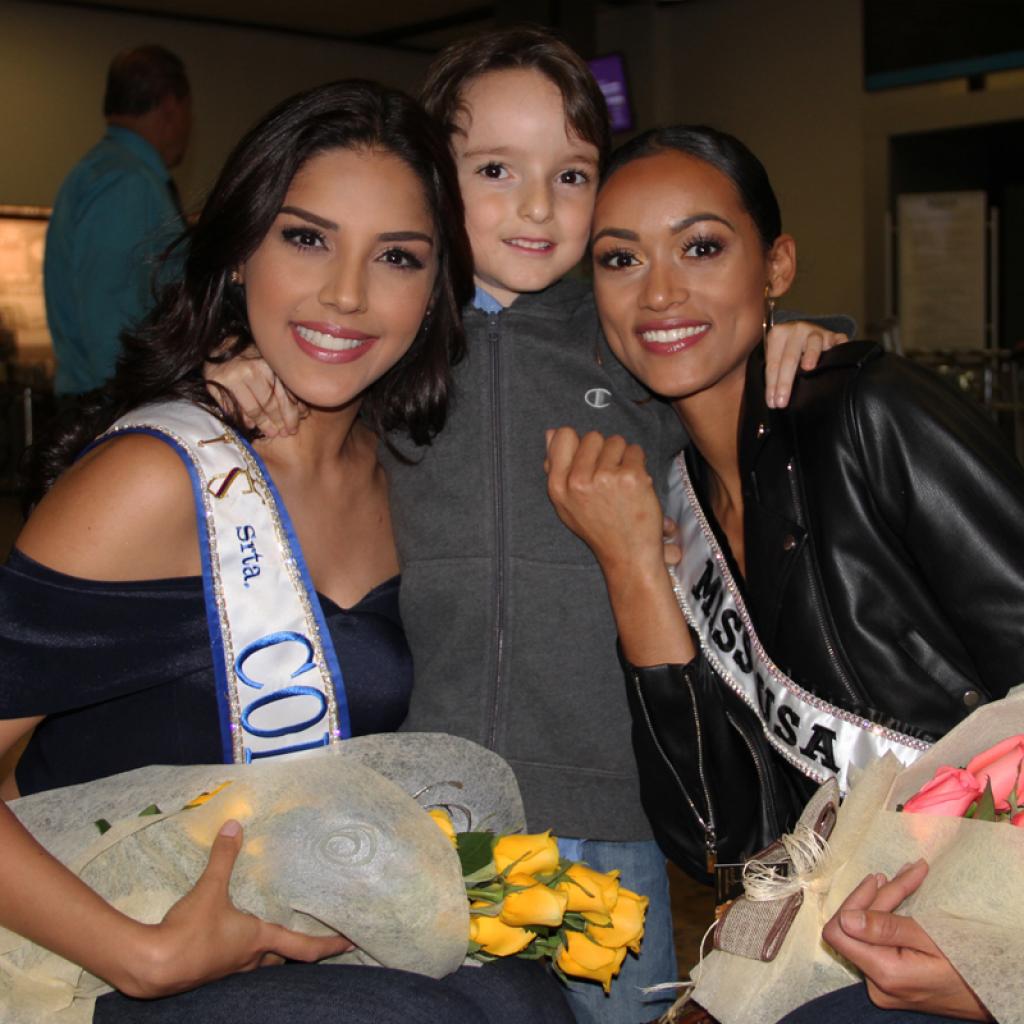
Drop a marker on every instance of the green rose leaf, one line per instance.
(102, 824)
(985, 810)
(149, 811)
(492, 911)
(476, 855)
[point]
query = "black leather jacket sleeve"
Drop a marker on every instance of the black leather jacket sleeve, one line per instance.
(945, 483)
(708, 783)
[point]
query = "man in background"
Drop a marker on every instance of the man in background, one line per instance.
(115, 213)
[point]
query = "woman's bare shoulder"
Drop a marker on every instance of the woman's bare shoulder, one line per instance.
(124, 511)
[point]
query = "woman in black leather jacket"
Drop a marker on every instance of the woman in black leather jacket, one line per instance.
(875, 529)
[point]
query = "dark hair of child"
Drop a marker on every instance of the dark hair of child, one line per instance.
(528, 48)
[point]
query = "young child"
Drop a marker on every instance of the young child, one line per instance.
(505, 609)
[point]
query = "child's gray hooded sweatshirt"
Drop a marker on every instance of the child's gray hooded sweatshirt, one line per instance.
(506, 610)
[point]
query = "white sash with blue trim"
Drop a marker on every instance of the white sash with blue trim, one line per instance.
(279, 685)
(819, 739)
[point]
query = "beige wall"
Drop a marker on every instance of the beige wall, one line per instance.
(53, 63)
(786, 77)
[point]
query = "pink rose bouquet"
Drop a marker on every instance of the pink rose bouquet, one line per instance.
(988, 789)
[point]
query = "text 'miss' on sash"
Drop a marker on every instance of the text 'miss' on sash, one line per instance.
(279, 685)
(819, 739)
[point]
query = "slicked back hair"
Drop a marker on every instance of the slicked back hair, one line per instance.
(722, 151)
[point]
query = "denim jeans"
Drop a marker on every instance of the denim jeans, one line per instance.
(504, 992)
(851, 1006)
(643, 871)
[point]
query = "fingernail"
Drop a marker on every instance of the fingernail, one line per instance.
(906, 867)
(230, 828)
(853, 920)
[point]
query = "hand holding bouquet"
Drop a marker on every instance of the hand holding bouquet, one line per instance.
(969, 905)
(525, 901)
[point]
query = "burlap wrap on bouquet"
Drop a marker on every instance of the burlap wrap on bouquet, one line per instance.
(334, 842)
(971, 903)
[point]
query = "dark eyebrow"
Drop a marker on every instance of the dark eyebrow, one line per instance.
(674, 228)
(320, 222)
(329, 225)
(629, 236)
(505, 151)
(405, 236)
(682, 225)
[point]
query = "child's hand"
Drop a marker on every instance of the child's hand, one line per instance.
(672, 550)
(790, 347)
(263, 400)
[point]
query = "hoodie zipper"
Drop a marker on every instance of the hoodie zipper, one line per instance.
(493, 333)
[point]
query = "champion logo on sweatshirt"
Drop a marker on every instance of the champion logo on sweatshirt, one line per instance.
(598, 398)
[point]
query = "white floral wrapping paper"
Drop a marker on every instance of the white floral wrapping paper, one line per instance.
(334, 841)
(971, 903)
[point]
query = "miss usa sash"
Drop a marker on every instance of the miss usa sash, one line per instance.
(821, 740)
(279, 685)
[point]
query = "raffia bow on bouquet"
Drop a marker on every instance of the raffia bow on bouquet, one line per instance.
(769, 957)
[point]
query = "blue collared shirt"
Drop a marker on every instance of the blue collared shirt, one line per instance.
(486, 302)
(113, 216)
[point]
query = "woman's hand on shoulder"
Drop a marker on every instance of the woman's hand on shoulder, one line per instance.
(204, 936)
(903, 968)
(264, 402)
(790, 347)
(124, 511)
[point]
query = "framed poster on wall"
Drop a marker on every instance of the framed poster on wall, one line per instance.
(22, 309)
(942, 251)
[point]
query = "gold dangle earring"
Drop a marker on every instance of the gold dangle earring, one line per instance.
(768, 320)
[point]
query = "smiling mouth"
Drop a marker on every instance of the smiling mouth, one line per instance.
(540, 245)
(671, 335)
(330, 342)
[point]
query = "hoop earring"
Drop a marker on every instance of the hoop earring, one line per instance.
(768, 319)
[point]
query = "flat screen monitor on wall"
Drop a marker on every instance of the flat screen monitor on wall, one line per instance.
(610, 72)
(907, 42)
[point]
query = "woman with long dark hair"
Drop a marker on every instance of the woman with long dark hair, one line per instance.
(872, 534)
(155, 601)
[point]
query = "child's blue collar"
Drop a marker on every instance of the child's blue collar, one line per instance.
(486, 302)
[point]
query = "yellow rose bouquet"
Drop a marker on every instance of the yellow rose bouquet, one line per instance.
(524, 900)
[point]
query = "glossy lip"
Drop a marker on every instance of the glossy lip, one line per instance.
(549, 246)
(668, 348)
(329, 355)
